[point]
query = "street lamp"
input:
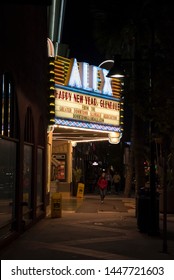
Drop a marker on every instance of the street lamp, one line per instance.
(117, 70)
(152, 206)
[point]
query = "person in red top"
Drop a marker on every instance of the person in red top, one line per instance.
(102, 184)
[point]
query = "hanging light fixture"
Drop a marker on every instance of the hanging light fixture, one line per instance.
(114, 140)
(117, 70)
(114, 137)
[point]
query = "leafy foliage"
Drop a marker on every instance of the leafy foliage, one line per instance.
(141, 31)
(77, 173)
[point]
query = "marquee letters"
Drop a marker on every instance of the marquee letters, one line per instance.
(88, 77)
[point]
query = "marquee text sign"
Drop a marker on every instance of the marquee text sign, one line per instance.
(85, 97)
(77, 106)
(88, 77)
(81, 75)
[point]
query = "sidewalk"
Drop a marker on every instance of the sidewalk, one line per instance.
(90, 230)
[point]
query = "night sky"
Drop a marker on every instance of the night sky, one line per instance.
(78, 25)
(77, 32)
(127, 26)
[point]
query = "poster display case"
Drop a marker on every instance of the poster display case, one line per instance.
(60, 170)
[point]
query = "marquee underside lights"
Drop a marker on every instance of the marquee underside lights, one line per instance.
(86, 125)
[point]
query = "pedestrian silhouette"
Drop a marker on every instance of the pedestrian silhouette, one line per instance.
(102, 184)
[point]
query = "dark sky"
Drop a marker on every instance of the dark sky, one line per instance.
(77, 32)
(78, 23)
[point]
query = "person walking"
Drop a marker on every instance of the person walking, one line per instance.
(102, 184)
(116, 181)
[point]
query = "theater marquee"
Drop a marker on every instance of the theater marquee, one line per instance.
(85, 97)
(76, 106)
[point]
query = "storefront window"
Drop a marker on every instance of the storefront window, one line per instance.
(7, 183)
(39, 180)
(27, 183)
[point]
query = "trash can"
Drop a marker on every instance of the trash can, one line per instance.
(56, 205)
(148, 212)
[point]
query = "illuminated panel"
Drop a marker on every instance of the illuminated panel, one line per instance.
(89, 77)
(95, 79)
(84, 125)
(85, 97)
(83, 69)
(107, 89)
(73, 77)
(77, 106)
(61, 69)
(59, 72)
(116, 87)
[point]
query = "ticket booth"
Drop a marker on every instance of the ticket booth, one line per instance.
(60, 170)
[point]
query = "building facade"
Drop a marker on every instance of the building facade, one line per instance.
(23, 115)
(88, 107)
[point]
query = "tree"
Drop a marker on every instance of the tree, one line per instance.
(141, 32)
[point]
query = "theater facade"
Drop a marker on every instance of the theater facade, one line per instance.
(88, 107)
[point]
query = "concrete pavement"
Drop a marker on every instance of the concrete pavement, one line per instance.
(91, 230)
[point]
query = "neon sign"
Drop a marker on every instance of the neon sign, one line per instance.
(88, 77)
(85, 97)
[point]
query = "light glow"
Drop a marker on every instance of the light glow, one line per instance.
(84, 73)
(87, 126)
(81, 107)
(118, 76)
(88, 77)
(107, 89)
(83, 129)
(95, 163)
(114, 137)
(74, 80)
(83, 140)
(74, 143)
(114, 140)
(95, 79)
